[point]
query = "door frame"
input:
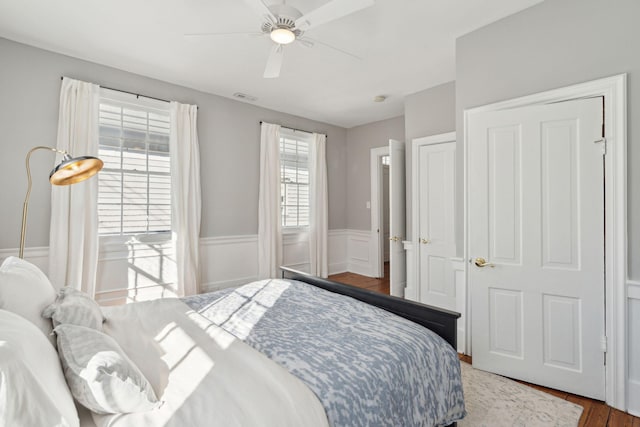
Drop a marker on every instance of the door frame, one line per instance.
(614, 91)
(377, 246)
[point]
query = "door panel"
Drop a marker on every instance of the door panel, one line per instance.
(504, 194)
(505, 308)
(435, 227)
(536, 214)
(562, 320)
(559, 195)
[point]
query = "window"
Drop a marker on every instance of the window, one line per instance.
(134, 195)
(294, 178)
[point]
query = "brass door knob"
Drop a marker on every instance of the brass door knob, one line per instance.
(425, 241)
(481, 262)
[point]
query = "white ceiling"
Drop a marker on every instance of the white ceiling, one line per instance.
(405, 45)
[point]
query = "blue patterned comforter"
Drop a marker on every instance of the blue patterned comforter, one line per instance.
(367, 366)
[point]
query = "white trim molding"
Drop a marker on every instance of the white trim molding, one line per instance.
(614, 92)
(459, 269)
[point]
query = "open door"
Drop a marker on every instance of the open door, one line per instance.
(397, 218)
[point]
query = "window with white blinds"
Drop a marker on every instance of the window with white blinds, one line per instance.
(294, 182)
(135, 184)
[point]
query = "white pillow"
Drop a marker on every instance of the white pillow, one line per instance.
(25, 290)
(33, 391)
(74, 307)
(100, 375)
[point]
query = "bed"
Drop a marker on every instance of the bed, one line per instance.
(296, 351)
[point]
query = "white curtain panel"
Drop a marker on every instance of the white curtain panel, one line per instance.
(269, 216)
(73, 237)
(319, 215)
(186, 198)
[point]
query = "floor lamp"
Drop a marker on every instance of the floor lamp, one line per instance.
(69, 171)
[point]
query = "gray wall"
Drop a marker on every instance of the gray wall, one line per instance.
(229, 135)
(360, 141)
(554, 44)
(430, 112)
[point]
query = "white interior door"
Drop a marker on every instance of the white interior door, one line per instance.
(436, 241)
(397, 218)
(536, 243)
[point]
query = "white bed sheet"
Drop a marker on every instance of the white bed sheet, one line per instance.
(204, 375)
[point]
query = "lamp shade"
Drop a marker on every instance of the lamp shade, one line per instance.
(75, 169)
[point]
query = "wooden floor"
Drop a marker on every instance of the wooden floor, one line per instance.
(596, 413)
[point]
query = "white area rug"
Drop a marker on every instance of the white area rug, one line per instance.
(494, 401)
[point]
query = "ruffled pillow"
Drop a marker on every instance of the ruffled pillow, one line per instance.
(74, 307)
(100, 375)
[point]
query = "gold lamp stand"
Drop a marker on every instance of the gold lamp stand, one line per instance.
(69, 171)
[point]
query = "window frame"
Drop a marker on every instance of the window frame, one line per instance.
(299, 137)
(147, 105)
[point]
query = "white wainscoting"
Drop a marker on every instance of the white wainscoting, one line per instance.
(36, 255)
(233, 260)
(457, 269)
(359, 252)
(225, 261)
(633, 322)
(135, 269)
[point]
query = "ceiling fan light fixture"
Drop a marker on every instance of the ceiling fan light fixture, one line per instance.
(282, 36)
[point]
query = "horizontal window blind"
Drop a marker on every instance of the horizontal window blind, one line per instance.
(135, 184)
(294, 182)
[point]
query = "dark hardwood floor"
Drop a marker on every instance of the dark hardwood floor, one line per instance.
(595, 414)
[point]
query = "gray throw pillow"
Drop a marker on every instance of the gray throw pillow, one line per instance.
(100, 375)
(76, 308)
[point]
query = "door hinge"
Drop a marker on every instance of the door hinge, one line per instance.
(604, 145)
(603, 346)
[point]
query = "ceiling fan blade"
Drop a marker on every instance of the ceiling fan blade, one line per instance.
(330, 11)
(305, 41)
(240, 33)
(274, 63)
(261, 9)
(314, 41)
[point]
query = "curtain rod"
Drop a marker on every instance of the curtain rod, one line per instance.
(130, 93)
(297, 130)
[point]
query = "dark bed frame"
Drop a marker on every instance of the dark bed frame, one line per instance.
(442, 322)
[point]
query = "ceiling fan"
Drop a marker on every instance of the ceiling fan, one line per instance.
(285, 24)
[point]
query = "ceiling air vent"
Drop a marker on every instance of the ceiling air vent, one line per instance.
(245, 97)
